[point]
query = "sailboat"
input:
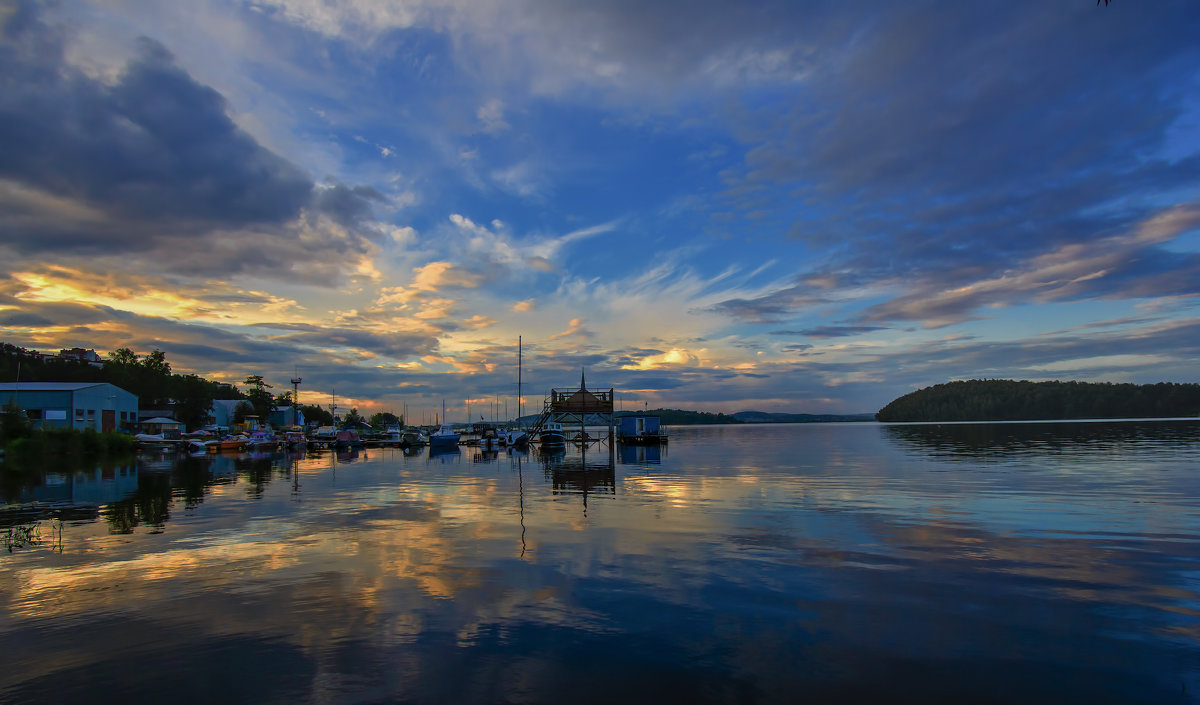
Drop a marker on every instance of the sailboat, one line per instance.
(517, 438)
(445, 436)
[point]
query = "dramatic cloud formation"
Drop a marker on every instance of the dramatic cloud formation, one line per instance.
(712, 204)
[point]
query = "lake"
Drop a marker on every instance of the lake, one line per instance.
(982, 563)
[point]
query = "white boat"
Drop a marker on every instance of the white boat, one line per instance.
(516, 438)
(443, 437)
(413, 438)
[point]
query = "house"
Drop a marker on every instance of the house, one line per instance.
(168, 427)
(286, 416)
(97, 405)
(81, 355)
(640, 430)
(223, 410)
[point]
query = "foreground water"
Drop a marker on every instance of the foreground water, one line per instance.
(1004, 563)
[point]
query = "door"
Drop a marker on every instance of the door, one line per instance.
(108, 420)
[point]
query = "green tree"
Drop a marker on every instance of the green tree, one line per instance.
(13, 423)
(241, 411)
(259, 397)
(352, 417)
(193, 397)
(383, 419)
(315, 413)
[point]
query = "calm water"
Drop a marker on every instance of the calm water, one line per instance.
(1005, 563)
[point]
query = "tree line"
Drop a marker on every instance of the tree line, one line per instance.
(681, 417)
(149, 377)
(1008, 400)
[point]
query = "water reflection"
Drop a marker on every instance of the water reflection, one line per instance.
(977, 440)
(833, 564)
(641, 454)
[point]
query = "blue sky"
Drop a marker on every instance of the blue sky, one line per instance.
(808, 207)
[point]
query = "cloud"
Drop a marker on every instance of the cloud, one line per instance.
(151, 166)
(491, 116)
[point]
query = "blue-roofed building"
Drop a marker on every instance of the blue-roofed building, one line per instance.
(79, 405)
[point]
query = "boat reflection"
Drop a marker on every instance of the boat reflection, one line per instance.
(641, 454)
(444, 454)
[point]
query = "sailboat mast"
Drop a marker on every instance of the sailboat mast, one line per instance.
(518, 381)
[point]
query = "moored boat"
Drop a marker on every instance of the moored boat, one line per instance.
(263, 440)
(413, 438)
(516, 438)
(444, 437)
(235, 444)
(552, 435)
(346, 438)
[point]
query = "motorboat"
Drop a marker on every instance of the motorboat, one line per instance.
(516, 438)
(552, 435)
(444, 437)
(347, 438)
(235, 444)
(263, 440)
(413, 438)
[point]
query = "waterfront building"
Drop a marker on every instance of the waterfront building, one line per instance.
(79, 405)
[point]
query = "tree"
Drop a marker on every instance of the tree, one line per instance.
(314, 413)
(193, 397)
(13, 423)
(352, 417)
(123, 357)
(259, 396)
(154, 380)
(241, 411)
(156, 363)
(383, 419)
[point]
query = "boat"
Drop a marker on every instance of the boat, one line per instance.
(155, 442)
(235, 444)
(444, 437)
(413, 438)
(516, 438)
(295, 439)
(347, 439)
(489, 438)
(552, 435)
(263, 440)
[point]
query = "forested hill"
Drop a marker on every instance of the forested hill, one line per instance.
(679, 417)
(1006, 400)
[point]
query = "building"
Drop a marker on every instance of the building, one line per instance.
(80, 355)
(640, 430)
(97, 405)
(223, 411)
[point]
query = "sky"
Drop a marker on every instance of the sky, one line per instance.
(808, 207)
